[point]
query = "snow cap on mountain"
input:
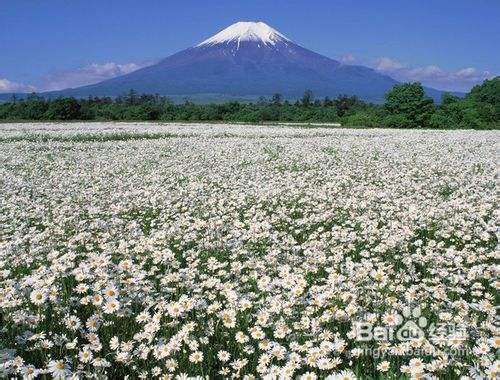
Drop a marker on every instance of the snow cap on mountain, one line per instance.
(246, 31)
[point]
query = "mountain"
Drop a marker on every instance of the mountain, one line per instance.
(246, 60)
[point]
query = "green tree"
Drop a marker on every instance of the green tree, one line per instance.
(277, 99)
(345, 103)
(455, 112)
(327, 102)
(63, 109)
(131, 98)
(486, 100)
(397, 121)
(33, 108)
(307, 98)
(366, 118)
(408, 102)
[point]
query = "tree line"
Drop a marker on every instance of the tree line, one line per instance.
(405, 106)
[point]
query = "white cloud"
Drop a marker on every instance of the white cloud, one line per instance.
(9, 86)
(387, 64)
(90, 74)
(467, 72)
(348, 58)
(432, 75)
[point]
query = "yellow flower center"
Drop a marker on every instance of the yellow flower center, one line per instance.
(60, 365)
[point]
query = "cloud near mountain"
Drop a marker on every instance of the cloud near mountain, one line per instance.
(81, 76)
(10, 86)
(432, 75)
(89, 74)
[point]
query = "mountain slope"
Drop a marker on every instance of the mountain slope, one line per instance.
(247, 59)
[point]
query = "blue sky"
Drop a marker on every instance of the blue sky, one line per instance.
(53, 44)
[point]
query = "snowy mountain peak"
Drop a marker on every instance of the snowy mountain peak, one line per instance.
(246, 31)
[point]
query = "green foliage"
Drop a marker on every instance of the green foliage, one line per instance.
(408, 103)
(63, 109)
(34, 109)
(345, 103)
(455, 111)
(308, 98)
(397, 121)
(479, 109)
(363, 119)
(486, 100)
(406, 106)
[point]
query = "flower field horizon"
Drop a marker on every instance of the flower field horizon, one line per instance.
(149, 251)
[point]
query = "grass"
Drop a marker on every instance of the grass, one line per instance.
(91, 137)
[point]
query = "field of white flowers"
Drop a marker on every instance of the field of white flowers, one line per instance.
(231, 251)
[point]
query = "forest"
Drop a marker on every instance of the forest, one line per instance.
(405, 106)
